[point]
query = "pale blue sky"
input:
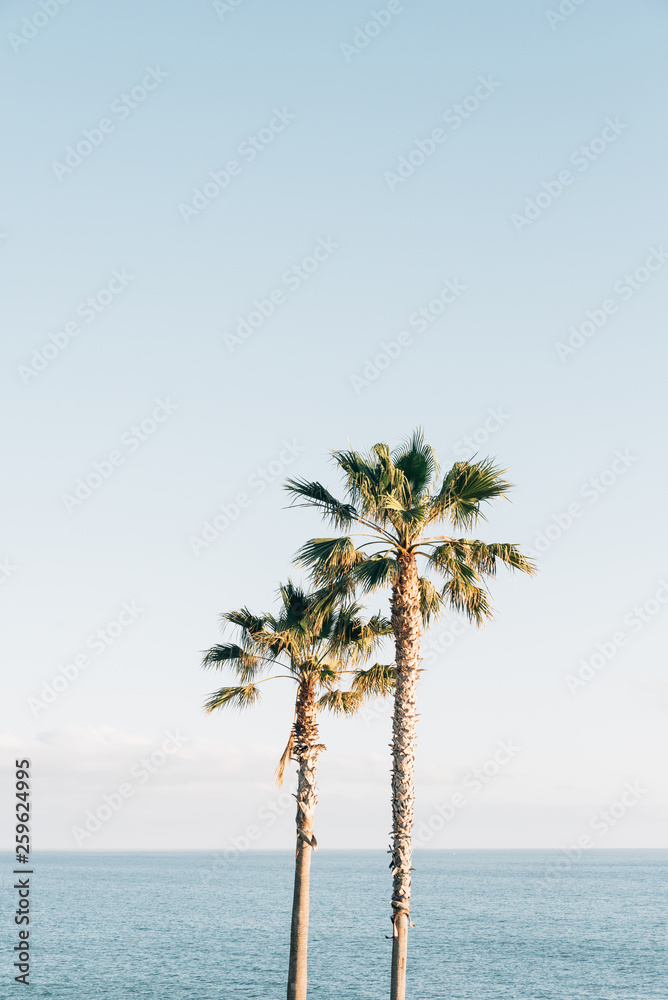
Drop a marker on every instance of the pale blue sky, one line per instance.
(322, 178)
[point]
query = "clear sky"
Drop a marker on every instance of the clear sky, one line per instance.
(450, 215)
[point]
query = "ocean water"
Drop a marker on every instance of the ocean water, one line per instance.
(526, 925)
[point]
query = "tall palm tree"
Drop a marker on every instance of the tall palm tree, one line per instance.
(317, 653)
(393, 498)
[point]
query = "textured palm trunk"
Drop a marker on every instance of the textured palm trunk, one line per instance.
(407, 627)
(306, 751)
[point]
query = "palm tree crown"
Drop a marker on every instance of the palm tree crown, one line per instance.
(396, 496)
(315, 651)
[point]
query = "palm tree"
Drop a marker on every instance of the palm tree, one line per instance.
(316, 653)
(393, 498)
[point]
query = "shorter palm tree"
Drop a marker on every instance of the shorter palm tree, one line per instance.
(319, 653)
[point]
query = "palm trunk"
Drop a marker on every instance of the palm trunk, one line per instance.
(306, 751)
(407, 626)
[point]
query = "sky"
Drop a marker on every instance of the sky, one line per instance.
(235, 236)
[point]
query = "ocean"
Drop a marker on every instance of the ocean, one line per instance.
(515, 924)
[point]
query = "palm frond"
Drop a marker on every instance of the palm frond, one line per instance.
(485, 557)
(370, 479)
(236, 697)
(376, 681)
(469, 599)
(245, 620)
(325, 600)
(327, 674)
(362, 471)
(285, 757)
(388, 476)
(328, 559)
(341, 515)
(431, 601)
(294, 599)
(353, 638)
(244, 663)
(464, 489)
(417, 460)
(340, 702)
(450, 560)
(374, 572)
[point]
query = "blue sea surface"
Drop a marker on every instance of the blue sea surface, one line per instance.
(522, 925)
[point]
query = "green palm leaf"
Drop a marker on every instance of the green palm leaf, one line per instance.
(431, 600)
(340, 702)
(244, 663)
(249, 623)
(329, 558)
(464, 489)
(484, 557)
(376, 681)
(418, 463)
(236, 697)
(339, 514)
(376, 571)
(470, 600)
